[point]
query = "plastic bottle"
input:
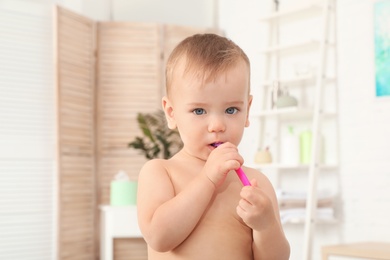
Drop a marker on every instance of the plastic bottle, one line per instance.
(305, 140)
(290, 148)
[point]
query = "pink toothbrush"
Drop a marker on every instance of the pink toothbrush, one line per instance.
(241, 174)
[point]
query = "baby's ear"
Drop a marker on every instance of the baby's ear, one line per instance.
(169, 114)
(247, 123)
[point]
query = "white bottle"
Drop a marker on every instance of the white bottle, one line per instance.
(290, 148)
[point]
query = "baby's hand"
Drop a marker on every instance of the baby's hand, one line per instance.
(255, 207)
(220, 161)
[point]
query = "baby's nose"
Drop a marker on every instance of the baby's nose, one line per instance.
(216, 124)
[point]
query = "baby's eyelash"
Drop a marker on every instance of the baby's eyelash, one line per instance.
(232, 110)
(198, 111)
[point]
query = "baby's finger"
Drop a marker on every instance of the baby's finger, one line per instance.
(254, 183)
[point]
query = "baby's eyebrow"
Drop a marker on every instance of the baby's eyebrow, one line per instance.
(197, 104)
(204, 104)
(235, 103)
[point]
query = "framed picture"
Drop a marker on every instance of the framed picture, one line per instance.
(382, 47)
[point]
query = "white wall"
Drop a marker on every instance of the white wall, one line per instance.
(364, 129)
(200, 13)
(28, 198)
(189, 13)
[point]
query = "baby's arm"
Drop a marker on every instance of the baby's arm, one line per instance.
(258, 208)
(165, 218)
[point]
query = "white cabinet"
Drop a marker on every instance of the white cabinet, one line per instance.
(300, 66)
(117, 222)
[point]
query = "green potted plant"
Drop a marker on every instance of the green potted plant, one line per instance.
(157, 140)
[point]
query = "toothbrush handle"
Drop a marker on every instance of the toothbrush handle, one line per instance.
(242, 176)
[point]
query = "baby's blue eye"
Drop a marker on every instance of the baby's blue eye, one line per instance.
(231, 110)
(199, 111)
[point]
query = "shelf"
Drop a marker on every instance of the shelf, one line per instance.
(298, 81)
(298, 215)
(288, 111)
(291, 113)
(296, 10)
(298, 35)
(311, 44)
(278, 166)
(301, 220)
(305, 45)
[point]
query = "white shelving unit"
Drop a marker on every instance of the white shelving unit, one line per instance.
(316, 92)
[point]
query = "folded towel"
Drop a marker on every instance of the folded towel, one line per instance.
(299, 214)
(297, 199)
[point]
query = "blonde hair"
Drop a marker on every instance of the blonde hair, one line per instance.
(205, 56)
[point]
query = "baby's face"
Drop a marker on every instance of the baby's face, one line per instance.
(211, 112)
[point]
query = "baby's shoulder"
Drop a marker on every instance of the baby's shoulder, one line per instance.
(158, 166)
(154, 165)
(154, 171)
(261, 178)
(252, 172)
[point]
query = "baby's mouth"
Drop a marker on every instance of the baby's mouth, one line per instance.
(215, 145)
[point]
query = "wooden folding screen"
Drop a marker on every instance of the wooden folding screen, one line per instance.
(128, 83)
(129, 72)
(76, 136)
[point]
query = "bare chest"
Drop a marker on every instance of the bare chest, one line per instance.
(220, 233)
